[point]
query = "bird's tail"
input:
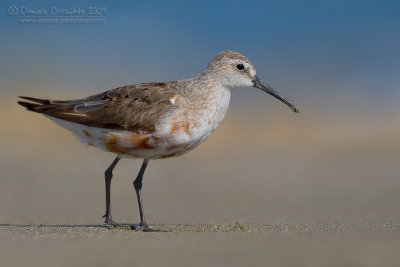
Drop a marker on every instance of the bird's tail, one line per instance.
(36, 104)
(70, 110)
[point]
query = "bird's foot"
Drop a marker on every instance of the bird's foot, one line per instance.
(143, 227)
(110, 222)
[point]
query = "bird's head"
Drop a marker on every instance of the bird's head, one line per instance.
(234, 70)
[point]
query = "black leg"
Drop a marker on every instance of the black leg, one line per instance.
(108, 176)
(138, 187)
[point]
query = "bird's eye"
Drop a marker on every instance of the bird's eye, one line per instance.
(240, 66)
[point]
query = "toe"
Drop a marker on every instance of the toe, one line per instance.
(143, 228)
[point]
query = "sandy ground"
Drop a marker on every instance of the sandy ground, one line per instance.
(202, 245)
(285, 192)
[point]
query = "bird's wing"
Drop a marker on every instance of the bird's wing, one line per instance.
(130, 107)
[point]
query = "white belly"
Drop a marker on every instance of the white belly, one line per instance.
(175, 134)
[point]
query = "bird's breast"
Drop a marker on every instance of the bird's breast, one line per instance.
(192, 123)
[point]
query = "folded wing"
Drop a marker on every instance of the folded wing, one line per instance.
(129, 107)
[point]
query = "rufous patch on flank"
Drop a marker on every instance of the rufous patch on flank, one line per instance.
(126, 144)
(186, 127)
(175, 127)
(182, 125)
(139, 141)
(111, 143)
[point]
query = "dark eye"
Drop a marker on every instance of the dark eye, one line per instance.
(240, 66)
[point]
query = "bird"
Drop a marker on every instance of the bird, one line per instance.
(154, 120)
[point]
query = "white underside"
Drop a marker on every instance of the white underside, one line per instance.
(207, 120)
(79, 131)
(94, 136)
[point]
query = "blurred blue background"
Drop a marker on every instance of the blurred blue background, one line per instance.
(319, 51)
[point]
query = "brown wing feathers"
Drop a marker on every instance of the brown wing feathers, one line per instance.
(128, 107)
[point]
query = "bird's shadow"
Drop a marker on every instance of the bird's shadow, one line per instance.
(54, 225)
(121, 226)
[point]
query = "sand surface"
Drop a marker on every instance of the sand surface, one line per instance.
(201, 245)
(285, 192)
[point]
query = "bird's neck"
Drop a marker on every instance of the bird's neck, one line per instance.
(210, 100)
(208, 90)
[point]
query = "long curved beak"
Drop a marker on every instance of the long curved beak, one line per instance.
(268, 89)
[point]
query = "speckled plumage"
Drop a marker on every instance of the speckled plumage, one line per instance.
(153, 120)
